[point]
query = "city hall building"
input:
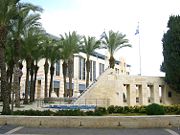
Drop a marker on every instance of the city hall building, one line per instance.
(98, 64)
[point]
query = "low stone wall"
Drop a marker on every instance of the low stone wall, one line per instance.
(93, 121)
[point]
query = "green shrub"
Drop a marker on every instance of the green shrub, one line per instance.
(142, 109)
(47, 113)
(178, 111)
(99, 111)
(118, 109)
(155, 109)
(126, 109)
(171, 108)
(89, 113)
(69, 113)
(111, 109)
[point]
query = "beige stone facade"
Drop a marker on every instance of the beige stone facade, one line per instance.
(112, 88)
(98, 64)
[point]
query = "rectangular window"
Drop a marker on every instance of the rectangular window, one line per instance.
(58, 68)
(82, 68)
(90, 70)
(101, 68)
(94, 70)
(56, 87)
(82, 87)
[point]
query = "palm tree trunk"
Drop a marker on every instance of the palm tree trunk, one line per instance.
(64, 65)
(46, 69)
(35, 78)
(28, 64)
(20, 69)
(87, 72)
(70, 71)
(51, 80)
(32, 82)
(16, 85)
(4, 88)
(17, 73)
(112, 62)
(9, 79)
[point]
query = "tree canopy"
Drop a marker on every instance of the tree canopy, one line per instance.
(171, 53)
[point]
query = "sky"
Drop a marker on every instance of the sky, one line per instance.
(92, 17)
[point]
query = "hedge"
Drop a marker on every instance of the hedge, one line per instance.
(152, 109)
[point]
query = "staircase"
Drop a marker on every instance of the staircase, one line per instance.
(81, 99)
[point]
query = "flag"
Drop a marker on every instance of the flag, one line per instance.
(103, 35)
(137, 30)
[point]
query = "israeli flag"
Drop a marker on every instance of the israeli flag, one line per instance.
(137, 30)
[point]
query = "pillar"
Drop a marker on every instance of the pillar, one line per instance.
(76, 76)
(155, 95)
(131, 94)
(143, 95)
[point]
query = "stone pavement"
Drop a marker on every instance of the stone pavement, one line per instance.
(37, 105)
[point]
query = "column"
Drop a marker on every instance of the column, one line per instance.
(131, 94)
(76, 76)
(155, 95)
(143, 94)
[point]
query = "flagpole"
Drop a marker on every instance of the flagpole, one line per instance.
(139, 53)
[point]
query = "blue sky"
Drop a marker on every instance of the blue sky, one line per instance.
(92, 17)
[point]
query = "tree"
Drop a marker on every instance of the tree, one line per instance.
(72, 41)
(171, 53)
(37, 56)
(9, 56)
(46, 55)
(90, 44)
(7, 13)
(23, 22)
(64, 56)
(29, 46)
(114, 41)
(54, 56)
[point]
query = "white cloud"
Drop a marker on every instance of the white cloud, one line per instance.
(91, 17)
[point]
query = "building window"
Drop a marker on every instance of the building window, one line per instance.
(90, 70)
(57, 87)
(101, 68)
(94, 70)
(58, 68)
(169, 94)
(82, 68)
(82, 87)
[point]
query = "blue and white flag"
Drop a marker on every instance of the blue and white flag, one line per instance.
(137, 30)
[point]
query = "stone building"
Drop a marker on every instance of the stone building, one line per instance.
(112, 88)
(98, 62)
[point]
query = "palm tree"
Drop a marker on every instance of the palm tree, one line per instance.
(24, 21)
(64, 57)
(30, 42)
(37, 56)
(46, 55)
(7, 13)
(89, 47)
(9, 57)
(72, 40)
(54, 56)
(114, 41)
